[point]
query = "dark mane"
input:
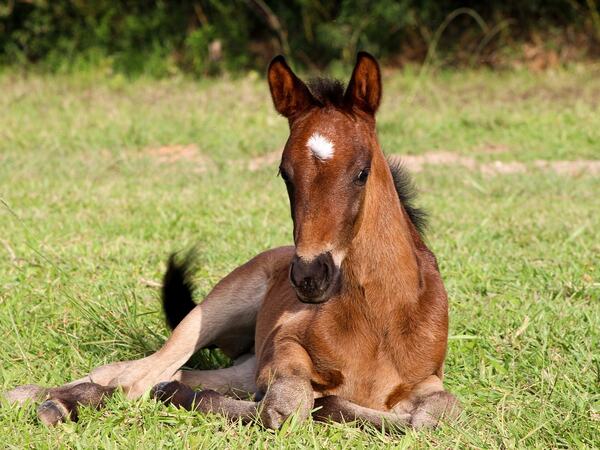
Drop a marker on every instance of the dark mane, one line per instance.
(327, 91)
(407, 194)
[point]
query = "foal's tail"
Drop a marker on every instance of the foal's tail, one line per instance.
(178, 289)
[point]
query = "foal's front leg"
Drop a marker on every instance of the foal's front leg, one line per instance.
(205, 401)
(426, 406)
(336, 409)
(286, 382)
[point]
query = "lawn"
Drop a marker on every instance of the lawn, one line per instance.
(102, 177)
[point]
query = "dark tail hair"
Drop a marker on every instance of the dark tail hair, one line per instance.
(178, 289)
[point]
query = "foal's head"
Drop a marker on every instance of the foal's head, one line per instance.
(330, 161)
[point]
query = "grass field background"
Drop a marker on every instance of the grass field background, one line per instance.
(101, 178)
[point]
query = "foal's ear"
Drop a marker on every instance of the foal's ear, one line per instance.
(364, 89)
(290, 95)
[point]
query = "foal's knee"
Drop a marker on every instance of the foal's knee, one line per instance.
(286, 396)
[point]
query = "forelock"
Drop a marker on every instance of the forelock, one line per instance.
(328, 91)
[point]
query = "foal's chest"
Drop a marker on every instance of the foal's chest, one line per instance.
(355, 364)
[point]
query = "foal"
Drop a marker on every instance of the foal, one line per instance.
(351, 323)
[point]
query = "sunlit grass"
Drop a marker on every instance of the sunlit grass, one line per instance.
(91, 207)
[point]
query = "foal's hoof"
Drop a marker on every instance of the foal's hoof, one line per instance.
(174, 393)
(52, 412)
(330, 407)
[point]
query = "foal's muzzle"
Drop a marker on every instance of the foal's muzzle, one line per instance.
(317, 280)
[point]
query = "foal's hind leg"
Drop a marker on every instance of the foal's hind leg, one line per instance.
(35, 393)
(226, 319)
(62, 403)
(238, 379)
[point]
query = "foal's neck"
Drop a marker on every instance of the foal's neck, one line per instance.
(382, 260)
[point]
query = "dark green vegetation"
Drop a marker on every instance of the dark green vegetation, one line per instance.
(101, 179)
(206, 36)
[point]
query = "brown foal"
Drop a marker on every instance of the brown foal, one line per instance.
(351, 323)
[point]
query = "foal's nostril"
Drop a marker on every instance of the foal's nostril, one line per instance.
(304, 276)
(309, 284)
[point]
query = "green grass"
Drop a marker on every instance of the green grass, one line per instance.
(89, 208)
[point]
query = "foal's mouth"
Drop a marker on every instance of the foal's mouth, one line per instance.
(317, 280)
(326, 296)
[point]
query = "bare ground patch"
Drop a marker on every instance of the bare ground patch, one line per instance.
(170, 154)
(417, 163)
(573, 168)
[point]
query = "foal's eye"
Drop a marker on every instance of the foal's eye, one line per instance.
(362, 176)
(284, 176)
